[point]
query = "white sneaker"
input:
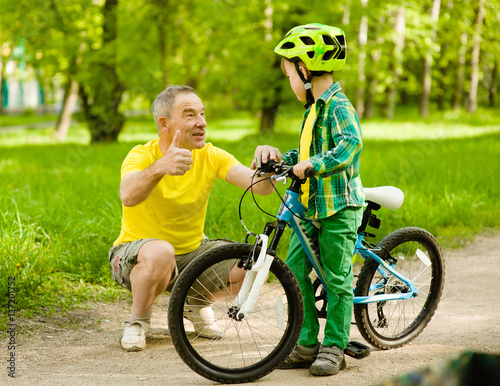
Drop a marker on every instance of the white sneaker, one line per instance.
(203, 321)
(134, 336)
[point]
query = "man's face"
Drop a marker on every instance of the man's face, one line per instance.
(188, 117)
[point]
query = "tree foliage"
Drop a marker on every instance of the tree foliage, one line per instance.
(122, 53)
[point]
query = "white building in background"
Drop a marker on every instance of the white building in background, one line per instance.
(21, 89)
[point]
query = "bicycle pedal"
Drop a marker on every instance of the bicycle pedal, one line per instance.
(357, 350)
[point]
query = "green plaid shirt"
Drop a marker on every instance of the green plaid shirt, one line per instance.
(334, 152)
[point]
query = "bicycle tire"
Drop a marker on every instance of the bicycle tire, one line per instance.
(393, 323)
(248, 349)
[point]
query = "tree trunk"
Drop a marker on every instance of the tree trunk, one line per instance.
(474, 80)
(268, 118)
(372, 74)
(397, 62)
(441, 98)
(163, 52)
(163, 27)
(101, 107)
(459, 81)
(426, 86)
(362, 39)
(346, 15)
(493, 86)
(372, 83)
(271, 100)
(427, 65)
(271, 103)
(69, 103)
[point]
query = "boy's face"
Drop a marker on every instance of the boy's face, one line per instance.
(295, 82)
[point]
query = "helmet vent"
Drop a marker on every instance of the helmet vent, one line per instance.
(308, 41)
(341, 54)
(328, 40)
(288, 46)
(341, 40)
(328, 55)
(310, 54)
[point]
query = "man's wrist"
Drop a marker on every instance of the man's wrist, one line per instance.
(155, 171)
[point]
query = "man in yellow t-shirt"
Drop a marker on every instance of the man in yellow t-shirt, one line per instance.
(165, 185)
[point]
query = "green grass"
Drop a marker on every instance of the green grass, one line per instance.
(60, 210)
(27, 118)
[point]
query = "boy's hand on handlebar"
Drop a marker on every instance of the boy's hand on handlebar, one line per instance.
(300, 169)
(266, 152)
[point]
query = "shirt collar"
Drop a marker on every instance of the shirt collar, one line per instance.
(328, 94)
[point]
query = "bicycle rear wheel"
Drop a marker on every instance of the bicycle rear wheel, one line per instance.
(415, 254)
(248, 349)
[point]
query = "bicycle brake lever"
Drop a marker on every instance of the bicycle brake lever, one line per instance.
(280, 178)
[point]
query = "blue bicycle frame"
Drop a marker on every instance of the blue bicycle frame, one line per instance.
(296, 220)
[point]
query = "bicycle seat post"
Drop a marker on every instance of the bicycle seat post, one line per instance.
(368, 218)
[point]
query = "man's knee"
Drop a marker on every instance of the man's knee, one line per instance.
(157, 256)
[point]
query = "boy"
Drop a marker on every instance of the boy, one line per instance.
(330, 142)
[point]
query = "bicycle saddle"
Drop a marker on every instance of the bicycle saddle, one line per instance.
(389, 197)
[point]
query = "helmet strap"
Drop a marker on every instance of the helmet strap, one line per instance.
(307, 85)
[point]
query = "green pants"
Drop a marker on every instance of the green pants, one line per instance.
(336, 239)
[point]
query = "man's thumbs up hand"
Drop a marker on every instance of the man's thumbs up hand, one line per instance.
(177, 138)
(177, 161)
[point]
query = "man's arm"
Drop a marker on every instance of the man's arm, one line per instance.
(240, 175)
(137, 186)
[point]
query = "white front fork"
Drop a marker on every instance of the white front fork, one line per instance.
(253, 282)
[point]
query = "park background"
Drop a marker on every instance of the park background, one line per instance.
(78, 78)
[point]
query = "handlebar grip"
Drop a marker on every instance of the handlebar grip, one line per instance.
(310, 172)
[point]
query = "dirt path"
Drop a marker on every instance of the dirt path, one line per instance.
(467, 318)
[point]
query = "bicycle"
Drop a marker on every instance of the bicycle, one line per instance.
(261, 316)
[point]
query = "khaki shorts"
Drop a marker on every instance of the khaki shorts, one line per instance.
(123, 258)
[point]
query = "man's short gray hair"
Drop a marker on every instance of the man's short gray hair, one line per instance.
(165, 101)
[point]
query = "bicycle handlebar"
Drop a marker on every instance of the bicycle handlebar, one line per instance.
(281, 169)
(310, 172)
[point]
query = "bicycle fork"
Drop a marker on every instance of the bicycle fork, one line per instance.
(255, 278)
(258, 273)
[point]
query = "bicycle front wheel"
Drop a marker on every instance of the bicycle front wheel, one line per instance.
(247, 349)
(415, 254)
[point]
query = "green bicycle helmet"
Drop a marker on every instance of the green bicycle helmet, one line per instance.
(320, 47)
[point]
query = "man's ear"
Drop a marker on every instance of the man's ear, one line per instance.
(163, 124)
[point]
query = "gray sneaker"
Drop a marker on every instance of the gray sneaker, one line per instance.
(203, 321)
(330, 361)
(301, 357)
(134, 336)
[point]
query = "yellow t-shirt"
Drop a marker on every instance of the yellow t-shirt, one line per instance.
(176, 208)
(305, 144)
